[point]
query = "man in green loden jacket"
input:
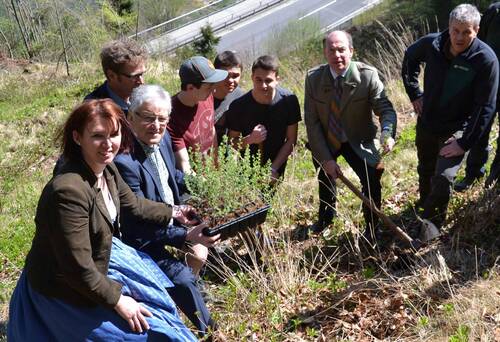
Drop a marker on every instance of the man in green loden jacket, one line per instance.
(340, 100)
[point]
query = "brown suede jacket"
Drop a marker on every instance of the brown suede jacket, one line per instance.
(70, 253)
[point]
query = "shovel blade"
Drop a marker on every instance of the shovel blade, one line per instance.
(429, 231)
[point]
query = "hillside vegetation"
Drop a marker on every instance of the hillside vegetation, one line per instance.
(325, 288)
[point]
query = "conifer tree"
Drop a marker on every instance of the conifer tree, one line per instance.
(205, 46)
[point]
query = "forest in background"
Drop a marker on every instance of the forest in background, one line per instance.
(43, 30)
(50, 30)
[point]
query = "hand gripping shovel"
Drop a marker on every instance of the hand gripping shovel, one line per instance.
(414, 243)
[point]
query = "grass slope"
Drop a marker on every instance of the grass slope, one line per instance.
(325, 288)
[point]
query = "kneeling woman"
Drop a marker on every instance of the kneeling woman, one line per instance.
(65, 292)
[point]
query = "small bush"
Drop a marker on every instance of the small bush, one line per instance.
(227, 180)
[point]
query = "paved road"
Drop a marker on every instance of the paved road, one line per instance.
(255, 35)
(218, 20)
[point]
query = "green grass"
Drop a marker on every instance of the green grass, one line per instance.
(289, 296)
(29, 116)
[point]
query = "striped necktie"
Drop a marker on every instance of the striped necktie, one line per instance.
(336, 134)
(154, 155)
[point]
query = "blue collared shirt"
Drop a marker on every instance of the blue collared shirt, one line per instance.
(117, 99)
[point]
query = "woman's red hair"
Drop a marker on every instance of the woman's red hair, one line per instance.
(86, 112)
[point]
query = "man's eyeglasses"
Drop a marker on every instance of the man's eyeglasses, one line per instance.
(149, 118)
(133, 76)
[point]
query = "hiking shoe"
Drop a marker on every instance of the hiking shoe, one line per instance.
(319, 226)
(465, 184)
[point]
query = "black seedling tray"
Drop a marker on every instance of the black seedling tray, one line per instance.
(238, 225)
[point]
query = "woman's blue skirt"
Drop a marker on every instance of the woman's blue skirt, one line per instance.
(35, 317)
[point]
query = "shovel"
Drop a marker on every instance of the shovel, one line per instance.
(415, 244)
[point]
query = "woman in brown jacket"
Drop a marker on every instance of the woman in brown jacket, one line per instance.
(67, 290)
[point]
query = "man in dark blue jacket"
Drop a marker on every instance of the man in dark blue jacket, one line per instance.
(458, 102)
(489, 32)
(149, 170)
(124, 64)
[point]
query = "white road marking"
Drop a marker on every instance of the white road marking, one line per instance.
(254, 18)
(317, 9)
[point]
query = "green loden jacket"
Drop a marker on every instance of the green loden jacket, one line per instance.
(70, 253)
(363, 95)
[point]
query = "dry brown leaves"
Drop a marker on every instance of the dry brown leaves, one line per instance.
(371, 311)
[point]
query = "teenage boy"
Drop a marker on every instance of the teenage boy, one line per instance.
(227, 91)
(191, 123)
(266, 118)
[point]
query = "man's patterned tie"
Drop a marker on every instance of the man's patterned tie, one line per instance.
(336, 133)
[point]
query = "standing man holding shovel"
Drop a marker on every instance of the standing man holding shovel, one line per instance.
(341, 98)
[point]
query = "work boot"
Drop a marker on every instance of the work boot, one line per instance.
(375, 236)
(317, 227)
(465, 183)
(493, 177)
(413, 228)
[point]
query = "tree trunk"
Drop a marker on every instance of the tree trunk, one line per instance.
(27, 19)
(137, 19)
(7, 43)
(62, 37)
(22, 29)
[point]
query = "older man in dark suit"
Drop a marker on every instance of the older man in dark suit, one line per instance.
(340, 100)
(149, 170)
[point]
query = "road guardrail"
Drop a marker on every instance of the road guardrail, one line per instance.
(166, 42)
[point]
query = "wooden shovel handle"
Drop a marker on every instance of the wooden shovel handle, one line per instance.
(369, 202)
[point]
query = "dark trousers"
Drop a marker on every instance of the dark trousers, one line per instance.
(495, 166)
(436, 174)
(185, 293)
(478, 155)
(370, 186)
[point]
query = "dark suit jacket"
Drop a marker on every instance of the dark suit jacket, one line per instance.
(70, 253)
(137, 171)
(100, 92)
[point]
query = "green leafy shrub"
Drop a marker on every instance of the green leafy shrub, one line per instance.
(227, 180)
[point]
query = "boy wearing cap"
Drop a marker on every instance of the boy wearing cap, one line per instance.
(266, 118)
(192, 120)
